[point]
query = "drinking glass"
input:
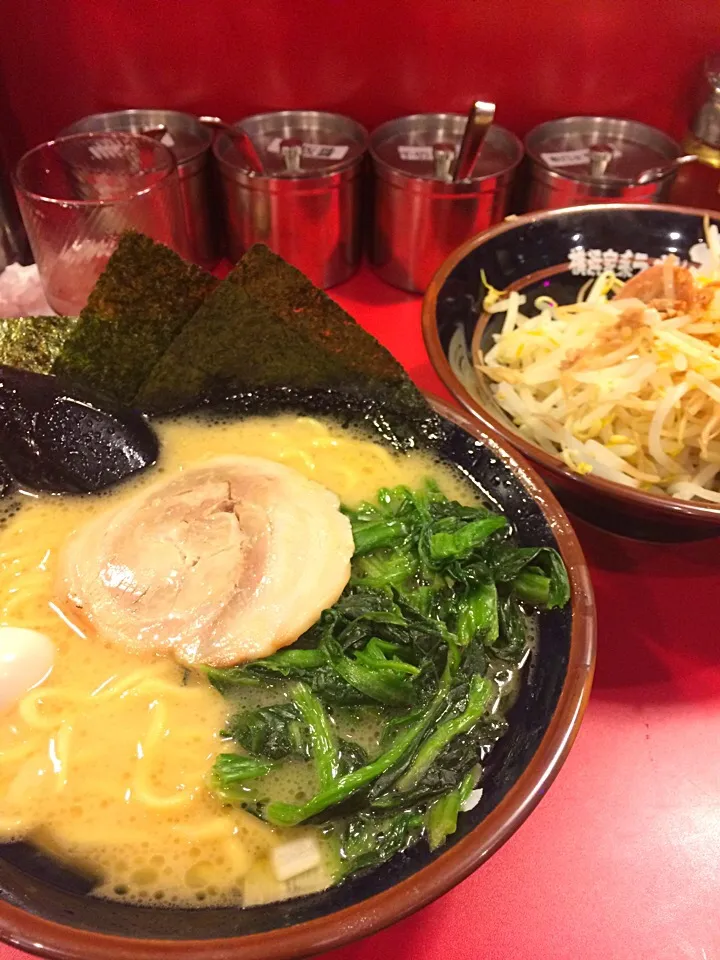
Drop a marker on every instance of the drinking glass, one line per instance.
(77, 194)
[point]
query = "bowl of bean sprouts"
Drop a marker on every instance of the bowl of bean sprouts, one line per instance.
(590, 339)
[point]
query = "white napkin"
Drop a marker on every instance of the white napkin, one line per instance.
(21, 293)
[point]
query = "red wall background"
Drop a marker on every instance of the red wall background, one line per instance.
(374, 59)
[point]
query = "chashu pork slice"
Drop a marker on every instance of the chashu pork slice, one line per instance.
(223, 563)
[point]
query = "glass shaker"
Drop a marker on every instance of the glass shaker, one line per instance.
(14, 247)
(698, 184)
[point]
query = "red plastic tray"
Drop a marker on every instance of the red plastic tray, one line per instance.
(622, 858)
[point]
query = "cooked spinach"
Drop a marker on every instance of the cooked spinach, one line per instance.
(439, 603)
(232, 771)
(276, 732)
(367, 840)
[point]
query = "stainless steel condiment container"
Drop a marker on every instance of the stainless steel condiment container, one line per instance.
(597, 159)
(190, 141)
(305, 201)
(420, 215)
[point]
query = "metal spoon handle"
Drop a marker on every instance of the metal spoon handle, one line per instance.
(654, 173)
(242, 141)
(479, 122)
(157, 132)
(216, 122)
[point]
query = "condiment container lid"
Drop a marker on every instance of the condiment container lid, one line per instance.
(600, 149)
(301, 143)
(185, 135)
(424, 145)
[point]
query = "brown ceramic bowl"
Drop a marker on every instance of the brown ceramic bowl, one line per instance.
(46, 910)
(531, 254)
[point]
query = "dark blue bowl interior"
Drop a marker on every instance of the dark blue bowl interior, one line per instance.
(37, 884)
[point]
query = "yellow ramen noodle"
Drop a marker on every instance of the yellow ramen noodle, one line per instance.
(105, 764)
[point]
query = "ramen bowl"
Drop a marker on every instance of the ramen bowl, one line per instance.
(554, 253)
(46, 908)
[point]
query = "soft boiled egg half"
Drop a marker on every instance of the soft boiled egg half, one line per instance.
(26, 659)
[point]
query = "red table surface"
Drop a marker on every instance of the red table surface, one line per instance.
(622, 857)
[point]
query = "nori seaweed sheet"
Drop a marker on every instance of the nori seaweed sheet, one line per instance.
(233, 341)
(267, 325)
(33, 343)
(282, 288)
(238, 341)
(143, 298)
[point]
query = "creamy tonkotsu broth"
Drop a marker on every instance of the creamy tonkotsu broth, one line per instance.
(105, 763)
